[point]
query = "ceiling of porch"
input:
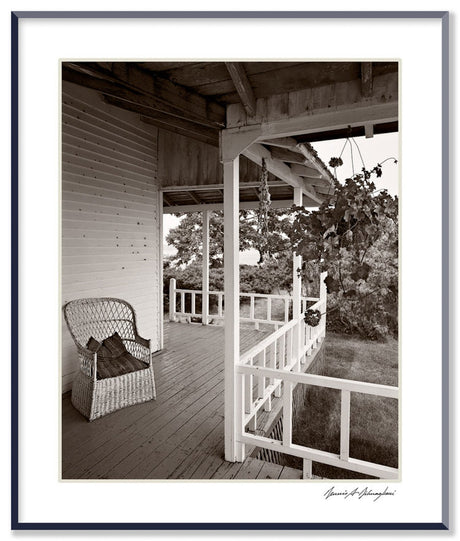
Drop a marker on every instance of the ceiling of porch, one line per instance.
(191, 102)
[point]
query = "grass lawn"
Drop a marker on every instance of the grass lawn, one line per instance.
(374, 420)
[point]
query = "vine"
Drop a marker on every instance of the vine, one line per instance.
(264, 201)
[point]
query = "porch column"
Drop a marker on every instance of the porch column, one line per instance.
(297, 264)
(297, 290)
(205, 272)
(234, 451)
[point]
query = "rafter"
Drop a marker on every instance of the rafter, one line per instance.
(159, 95)
(305, 171)
(256, 152)
(195, 198)
(287, 155)
(179, 125)
(243, 86)
(244, 205)
(282, 142)
(218, 187)
(313, 159)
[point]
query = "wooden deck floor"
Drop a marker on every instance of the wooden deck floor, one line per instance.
(180, 435)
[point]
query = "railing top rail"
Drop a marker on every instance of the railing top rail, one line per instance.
(263, 344)
(387, 391)
(246, 294)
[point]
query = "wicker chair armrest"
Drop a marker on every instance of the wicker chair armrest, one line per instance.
(143, 341)
(140, 349)
(86, 357)
(87, 353)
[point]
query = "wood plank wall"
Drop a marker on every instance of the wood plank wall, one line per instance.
(110, 212)
(183, 161)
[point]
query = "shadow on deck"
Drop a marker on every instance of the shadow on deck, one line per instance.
(180, 435)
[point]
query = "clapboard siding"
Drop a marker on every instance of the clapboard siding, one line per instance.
(110, 212)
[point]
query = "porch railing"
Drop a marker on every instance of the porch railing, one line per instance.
(273, 368)
(257, 308)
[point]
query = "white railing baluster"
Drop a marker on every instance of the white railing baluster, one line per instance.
(269, 309)
(282, 355)
(248, 391)
(277, 364)
(307, 471)
(261, 379)
(182, 302)
(287, 413)
(289, 347)
(172, 299)
(345, 425)
(286, 310)
(252, 308)
(193, 303)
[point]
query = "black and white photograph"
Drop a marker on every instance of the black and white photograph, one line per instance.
(229, 270)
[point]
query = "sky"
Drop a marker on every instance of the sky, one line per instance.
(373, 151)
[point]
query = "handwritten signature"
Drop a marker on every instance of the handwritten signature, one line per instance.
(359, 493)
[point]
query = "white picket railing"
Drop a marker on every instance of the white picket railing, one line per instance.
(277, 309)
(273, 368)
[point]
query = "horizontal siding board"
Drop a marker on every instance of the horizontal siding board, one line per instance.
(117, 217)
(96, 185)
(110, 212)
(116, 250)
(101, 236)
(77, 173)
(78, 137)
(107, 165)
(103, 155)
(79, 193)
(107, 198)
(108, 114)
(90, 208)
(106, 131)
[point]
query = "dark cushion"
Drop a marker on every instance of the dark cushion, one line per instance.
(102, 351)
(124, 364)
(93, 345)
(114, 345)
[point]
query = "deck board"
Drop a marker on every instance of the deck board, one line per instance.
(178, 436)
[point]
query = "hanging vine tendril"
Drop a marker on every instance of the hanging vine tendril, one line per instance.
(264, 200)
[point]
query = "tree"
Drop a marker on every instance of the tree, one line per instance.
(187, 236)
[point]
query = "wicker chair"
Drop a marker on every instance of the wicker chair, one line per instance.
(94, 394)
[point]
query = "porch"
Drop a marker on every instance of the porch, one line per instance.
(140, 141)
(178, 436)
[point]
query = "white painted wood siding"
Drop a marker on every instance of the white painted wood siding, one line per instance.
(110, 212)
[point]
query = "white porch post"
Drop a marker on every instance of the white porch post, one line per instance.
(205, 272)
(297, 286)
(296, 264)
(234, 451)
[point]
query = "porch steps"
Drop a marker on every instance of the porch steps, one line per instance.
(253, 468)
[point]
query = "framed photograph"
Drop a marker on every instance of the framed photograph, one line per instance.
(230, 309)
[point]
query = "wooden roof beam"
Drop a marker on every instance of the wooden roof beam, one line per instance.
(281, 170)
(217, 187)
(281, 142)
(366, 79)
(243, 86)
(288, 156)
(178, 125)
(244, 205)
(195, 198)
(305, 171)
(166, 200)
(312, 157)
(133, 86)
